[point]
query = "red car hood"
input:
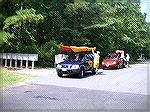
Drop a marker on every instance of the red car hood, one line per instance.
(108, 61)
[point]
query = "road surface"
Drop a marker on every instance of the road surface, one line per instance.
(110, 89)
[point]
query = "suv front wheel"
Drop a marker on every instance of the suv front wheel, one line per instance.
(82, 73)
(60, 74)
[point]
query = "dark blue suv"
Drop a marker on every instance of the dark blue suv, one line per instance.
(78, 65)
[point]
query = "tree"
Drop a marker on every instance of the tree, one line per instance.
(4, 37)
(22, 17)
(110, 25)
(105, 24)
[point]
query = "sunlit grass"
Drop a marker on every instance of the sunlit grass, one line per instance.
(9, 77)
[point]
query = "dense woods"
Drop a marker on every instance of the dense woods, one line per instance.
(39, 26)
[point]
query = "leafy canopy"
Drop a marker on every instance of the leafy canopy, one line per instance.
(21, 17)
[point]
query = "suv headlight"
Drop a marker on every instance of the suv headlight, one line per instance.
(103, 63)
(59, 66)
(75, 67)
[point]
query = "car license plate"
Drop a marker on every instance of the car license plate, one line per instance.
(64, 69)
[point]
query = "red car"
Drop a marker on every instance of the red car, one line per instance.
(113, 61)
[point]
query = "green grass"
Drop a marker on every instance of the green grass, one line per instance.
(9, 78)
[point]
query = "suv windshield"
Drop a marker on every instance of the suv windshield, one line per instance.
(74, 57)
(80, 56)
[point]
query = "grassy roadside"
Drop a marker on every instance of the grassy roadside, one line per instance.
(9, 77)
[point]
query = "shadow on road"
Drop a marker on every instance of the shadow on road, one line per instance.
(85, 76)
(56, 97)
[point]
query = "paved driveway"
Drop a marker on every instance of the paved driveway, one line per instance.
(110, 89)
(131, 80)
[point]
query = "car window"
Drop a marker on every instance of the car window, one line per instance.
(88, 57)
(111, 57)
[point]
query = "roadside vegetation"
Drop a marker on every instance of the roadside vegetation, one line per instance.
(39, 26)
(9, 78)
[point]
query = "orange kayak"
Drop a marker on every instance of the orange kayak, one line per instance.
(65, 48)
(75, 48)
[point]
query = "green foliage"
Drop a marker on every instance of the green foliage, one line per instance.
(21, 18)
(105, 24)
(4, 37)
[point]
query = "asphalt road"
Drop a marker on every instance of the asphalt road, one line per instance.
(109, 90)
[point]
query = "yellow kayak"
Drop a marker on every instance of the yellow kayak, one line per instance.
(75, 48)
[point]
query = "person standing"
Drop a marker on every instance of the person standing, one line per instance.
(127, 59)
(96, 59)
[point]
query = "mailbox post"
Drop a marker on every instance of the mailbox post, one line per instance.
(5, 62)
(10, 63)
(5, 57)
(9, 56)
(20, 57)
(21, 64)
(32, 64)
(25, 57)
(16, 63)
(26, 64)
(14, 56)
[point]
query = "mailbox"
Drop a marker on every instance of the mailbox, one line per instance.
(20, 57)
(17, 56)
(25, 57)
(9, 56)
(33, 57)
(4, 55)
(14, 56)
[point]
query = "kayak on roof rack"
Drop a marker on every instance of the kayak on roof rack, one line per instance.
(75, 48)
